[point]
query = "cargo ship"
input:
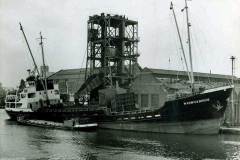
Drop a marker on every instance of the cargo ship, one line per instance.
(198, 111)
(112, 52)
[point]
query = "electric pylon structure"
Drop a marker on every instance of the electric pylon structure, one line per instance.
(112, 48)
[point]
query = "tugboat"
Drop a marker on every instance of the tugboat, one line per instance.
(31, 98)
(40, 98)
(37, 93)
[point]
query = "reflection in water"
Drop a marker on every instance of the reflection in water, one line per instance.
(25, 142)
(166, 145)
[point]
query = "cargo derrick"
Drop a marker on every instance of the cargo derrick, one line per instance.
(112, 51)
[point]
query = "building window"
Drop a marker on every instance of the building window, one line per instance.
(144, 100)
(62, 86)
(154, 100)
(136, 98)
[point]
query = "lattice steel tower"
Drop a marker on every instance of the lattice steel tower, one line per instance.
(112, 48)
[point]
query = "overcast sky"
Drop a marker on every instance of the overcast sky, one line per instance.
(215, 33)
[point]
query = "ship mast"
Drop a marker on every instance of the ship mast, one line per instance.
(29, 49)
(232, 96)
(44, 66)
(189, 45)
(180, 39)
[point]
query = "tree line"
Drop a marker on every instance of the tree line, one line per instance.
(2, 95)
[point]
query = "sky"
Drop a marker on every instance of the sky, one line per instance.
(215, 33)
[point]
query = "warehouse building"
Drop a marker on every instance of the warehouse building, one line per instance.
(69, 81)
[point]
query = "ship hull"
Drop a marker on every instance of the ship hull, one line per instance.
(13, 115)
(56, 113)
(197, 114)
(210, 126)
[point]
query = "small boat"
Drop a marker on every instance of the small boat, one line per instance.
(83, 124)
(72, 124)
(86, 126)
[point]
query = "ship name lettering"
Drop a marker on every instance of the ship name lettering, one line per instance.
(196, 101)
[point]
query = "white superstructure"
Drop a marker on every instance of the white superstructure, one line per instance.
(32, 97)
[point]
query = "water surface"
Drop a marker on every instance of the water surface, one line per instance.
(20, 142)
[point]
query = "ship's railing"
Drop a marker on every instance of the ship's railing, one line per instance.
(13, 104)
(137, 115)
(12, 98)
(133, 112)
(180, 95)
(74, 109)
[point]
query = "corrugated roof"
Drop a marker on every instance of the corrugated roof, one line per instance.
(184, 73)
(69, 74)
(80, 73)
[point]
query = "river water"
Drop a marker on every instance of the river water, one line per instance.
(18, 142)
